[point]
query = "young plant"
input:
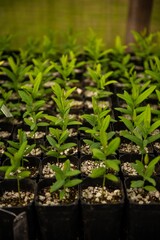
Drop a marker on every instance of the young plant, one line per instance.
(66, 69)
(154, 70)
(5, 96)
(30, 94)
(65, 178)
(94, 120)
(119, 60)
(101, 81)
(15, 170)
(29, 50)
(144, 45)
(139, 93)
(146, 173)
(63, 106)
(141, 133)
(107, 148)
(57, 140)
(95, 51)
(49, 47)
(15, 145)
(16, 73)
(44, 67)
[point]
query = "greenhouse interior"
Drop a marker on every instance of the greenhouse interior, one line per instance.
(80, 120)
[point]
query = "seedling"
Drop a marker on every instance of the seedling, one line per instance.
(44, 67)
(95, 120)
(154, 72)
(32, 116)
(135, 99)
(103, 146)
(106, 149)
(144, 45)
(101, 81)
(15, 145)
(63, 106)
(15, 170)
(57, 140)
(146, 173)
(16, 73)
(64, 178)
(95, 50)
(141, 132)
(66, 69)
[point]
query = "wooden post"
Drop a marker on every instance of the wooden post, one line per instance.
(139, 15)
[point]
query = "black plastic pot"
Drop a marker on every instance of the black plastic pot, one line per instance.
(8, 129)
(143, 220)
(6, 223)
(102, 221)
(57, 222)
(13, 226)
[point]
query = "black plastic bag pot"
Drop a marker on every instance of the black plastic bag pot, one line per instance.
(143, 220)
(102, 221)
(6, 223)
(13, 226)
(57, 222)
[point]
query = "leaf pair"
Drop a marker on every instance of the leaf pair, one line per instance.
(64, 178)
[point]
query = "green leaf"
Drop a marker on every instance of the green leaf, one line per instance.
(147, 117)
(37, 83)
(98, 154)
(51, 118)
(72, 173)
(139, 167)
(105, 123)
(4, 168)
(153, 138)
(154, 161)
(20, 153)
(25, 97)
(137, 184)
(127, 123)
(57, 185)
(113, 146)
(11, 150)
(51, 141)
(63, 136)
(98, 172)
(28, 121)
(67, 146)
(9, 73)
(92, 144)
(91, 119)
(112, 177)
(131, 137)
(56, 169)
(113, 164)
(24, 174)
(154, 126)
(72, 183)
(151, 180)
(144, 95)
(149, 188)
(54, 154)
(69, 92)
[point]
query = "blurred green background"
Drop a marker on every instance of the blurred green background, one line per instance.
(36, 18)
